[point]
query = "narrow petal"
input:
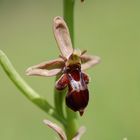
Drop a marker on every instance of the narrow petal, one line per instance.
(48, 68)
(42, 72)
(89, 61)
(57, 129)
(62, 36)
(80, 132)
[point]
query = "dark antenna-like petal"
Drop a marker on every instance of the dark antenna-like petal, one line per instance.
(62, 36)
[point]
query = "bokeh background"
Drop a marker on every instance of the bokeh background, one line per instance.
(108, 28)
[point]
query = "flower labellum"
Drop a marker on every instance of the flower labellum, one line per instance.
(70, 65)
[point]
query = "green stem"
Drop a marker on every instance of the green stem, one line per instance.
(68, 6)
(71, 126)
(68, 13)
(59, 100)
(26, 89)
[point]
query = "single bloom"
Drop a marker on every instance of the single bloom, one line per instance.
(70, 65)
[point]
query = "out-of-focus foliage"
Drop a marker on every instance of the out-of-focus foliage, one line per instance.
(107, 28)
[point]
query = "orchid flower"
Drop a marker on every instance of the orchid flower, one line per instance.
(70, 65)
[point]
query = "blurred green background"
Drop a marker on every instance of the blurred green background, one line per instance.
(108, 28)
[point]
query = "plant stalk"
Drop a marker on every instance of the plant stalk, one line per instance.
(27, 90)
(68, 13)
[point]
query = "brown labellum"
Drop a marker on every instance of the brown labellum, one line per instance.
(78, 95)
(77, 101)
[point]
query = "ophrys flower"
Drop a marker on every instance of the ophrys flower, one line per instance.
(70, 65)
